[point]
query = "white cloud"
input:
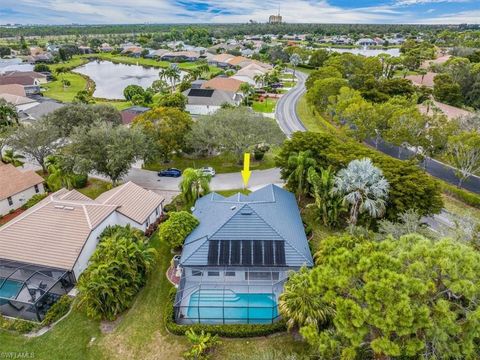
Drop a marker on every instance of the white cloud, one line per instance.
(419, 2)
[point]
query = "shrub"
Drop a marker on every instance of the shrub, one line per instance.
(59, 309)
(79, 181)
(117, 271)
(19, 325)
(465, 196)
(178, 226)
(230, 331)
(34, 200)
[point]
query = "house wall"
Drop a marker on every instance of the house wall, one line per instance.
(201, 109)
(91, 244)
(19, 199)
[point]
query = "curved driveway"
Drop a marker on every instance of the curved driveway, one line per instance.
(286, 109)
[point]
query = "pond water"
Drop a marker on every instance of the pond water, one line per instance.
(14, 65)
(368, 52)
(110, 79)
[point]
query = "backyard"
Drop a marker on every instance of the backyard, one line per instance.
(57, 91)
(139, 333)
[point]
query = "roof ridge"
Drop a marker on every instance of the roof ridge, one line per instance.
(226, 221)
(117, 189)
(87, 216)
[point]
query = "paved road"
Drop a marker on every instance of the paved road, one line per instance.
(286, 109)
(150, 180)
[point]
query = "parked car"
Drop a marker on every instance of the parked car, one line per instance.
(208, 170)
(170, 172)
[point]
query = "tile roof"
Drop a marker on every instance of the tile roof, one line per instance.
(209, 97)
(222, 58)
(133, 201)
(25, 80)
(53, 232)
(222, 83)
(14, 181)
(16, 99)
(269, 213)
(13, 89)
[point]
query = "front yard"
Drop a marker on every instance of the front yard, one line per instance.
(267, 105)
(223, 163)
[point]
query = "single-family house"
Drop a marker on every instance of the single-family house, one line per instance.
(366, 42)
(13, 89)
(221, 60)
(44, 250)
(105, 47)
(223, 83)
(21, 103)
(41, 77)
(208, 101)
(17, 187)
(39, 110)
(134, 51)
(181, 56)
(30, 84)
(131, 113)
(234, 264)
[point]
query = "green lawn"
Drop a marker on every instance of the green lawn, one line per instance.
(74, 62)
(266, 106)
(313, 122)
(55, 89)
(95, 187)
(224, 163)
(119, 105)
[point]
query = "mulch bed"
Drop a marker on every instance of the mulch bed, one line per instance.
(8, 217)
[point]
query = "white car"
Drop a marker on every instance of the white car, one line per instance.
(208, 170)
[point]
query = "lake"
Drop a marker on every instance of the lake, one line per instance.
(110, 79)
(395, 52)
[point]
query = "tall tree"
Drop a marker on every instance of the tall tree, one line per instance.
(464, 153)
(363, 187)
(195, 183)
(8, 114)
(299, 165)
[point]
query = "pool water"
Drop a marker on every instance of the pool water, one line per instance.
(217, 306)
(10, 288)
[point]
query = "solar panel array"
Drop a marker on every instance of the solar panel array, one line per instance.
(246, 252)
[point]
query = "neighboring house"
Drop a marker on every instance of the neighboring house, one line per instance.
(105, 47)
(42, 78)
(134, 51)
(131, 113)
(451, 112)
(17, 187)
(207, 101)
(249, 73)
(234, 264)
(221, 60)
(40, 58)
(21, 103)
(30, 84)
(223, 83)
(41, 109)
(366, 42)
(181, 56)
(197, 84)
(44, 250)
(13, 89)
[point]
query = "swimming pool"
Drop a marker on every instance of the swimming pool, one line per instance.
(218, 306)
(10, 288)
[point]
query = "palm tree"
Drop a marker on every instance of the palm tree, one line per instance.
(201, 344)
(8, 114)
(247, 91)
(57, 176)
(194, 184)
(300, 164)
(11, 157)
(173, 74)
(328, 204)
(363, 187)
(195, 74)
(300, 304)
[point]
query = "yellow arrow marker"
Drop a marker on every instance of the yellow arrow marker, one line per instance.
(246, 169)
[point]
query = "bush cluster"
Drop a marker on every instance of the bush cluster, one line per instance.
(59, 309)
(178, 226)
(19, 325)
(231, 331)
(34, 200)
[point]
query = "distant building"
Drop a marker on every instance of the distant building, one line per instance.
(275, 19)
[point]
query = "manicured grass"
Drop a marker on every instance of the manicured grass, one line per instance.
(228, 193)
(95, 187)
(288, 84)
(70, 64)
(459, 208)
(312, 121)
(224, 163)
(305, 70)
(119, 105)
(55, 89)
(266, 106)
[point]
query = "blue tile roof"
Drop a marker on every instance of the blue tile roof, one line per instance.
(270, 213)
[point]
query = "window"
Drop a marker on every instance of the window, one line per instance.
(156, 212)
(37, 190)
(213, 273)
(148, 223)
(229, 273)
(10, 201)
(261, 275)
(197, 273)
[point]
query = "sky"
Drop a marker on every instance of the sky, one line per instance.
(225, 11)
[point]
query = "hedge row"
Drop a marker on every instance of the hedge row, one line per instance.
(232, 331)
(465, 196)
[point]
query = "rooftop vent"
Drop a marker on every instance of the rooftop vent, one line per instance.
(246, 212)
(59, 206)
(69, 208)
(233, 207)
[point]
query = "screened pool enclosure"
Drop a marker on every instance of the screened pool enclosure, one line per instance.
(227, 295)
(28, 291)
